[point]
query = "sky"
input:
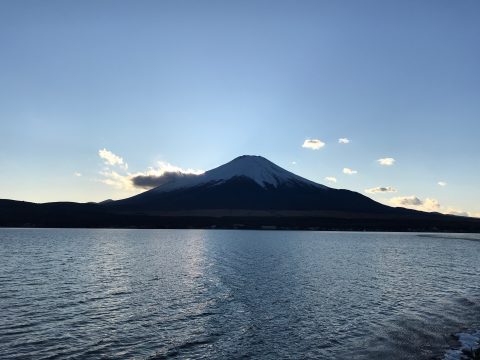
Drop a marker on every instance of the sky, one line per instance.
(380, 97)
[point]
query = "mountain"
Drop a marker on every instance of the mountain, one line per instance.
(249, 183)
(248, 192)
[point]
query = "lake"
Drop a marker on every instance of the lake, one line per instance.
(214, 294)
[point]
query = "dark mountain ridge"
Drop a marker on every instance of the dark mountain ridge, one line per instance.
(250, 182)
(248, 192)
(243, 193)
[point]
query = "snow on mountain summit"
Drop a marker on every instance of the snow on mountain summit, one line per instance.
(257, 168)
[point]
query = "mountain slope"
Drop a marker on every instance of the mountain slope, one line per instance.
(253, 183)
(249, 192)
(256, 168)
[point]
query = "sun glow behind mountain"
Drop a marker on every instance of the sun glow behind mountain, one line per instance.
(342, 91)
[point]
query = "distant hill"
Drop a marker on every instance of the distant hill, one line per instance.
(248, 192)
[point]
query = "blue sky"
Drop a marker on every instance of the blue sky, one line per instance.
(194, 84)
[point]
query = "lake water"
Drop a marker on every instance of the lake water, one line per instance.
(211, 294)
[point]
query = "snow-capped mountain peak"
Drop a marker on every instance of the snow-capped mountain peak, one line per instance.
(256, 168)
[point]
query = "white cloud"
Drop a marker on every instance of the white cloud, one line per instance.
(407, 201)
(76, 173)
(313, 144)
(386, 161)
(451, 211)
(331, 179)
(349, 171)
(429, 205)
(294, 163)
(126, 180)
(381, 189)
(343, 141)
(442, 183)
(111, 159)
(118, 181)
(165, 167)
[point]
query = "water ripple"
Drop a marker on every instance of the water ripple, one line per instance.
(160, 294)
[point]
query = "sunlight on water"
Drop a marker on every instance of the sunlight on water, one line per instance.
(228, 294)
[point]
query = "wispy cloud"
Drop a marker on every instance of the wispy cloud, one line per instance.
(116, 180)
(76, 173)
(386, 161)
(313, 144)
(343, 141)
(111, 159)
(165, 167)
(442, 183)
(451, 211)
(381, 189)
(120, 178)
(429, 205)
(406, 201)
(331, 179)
(349, 171)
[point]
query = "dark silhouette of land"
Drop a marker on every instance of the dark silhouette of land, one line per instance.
(249, 192)
(74, 215)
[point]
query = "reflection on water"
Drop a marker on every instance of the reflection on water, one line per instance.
(230, 294)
